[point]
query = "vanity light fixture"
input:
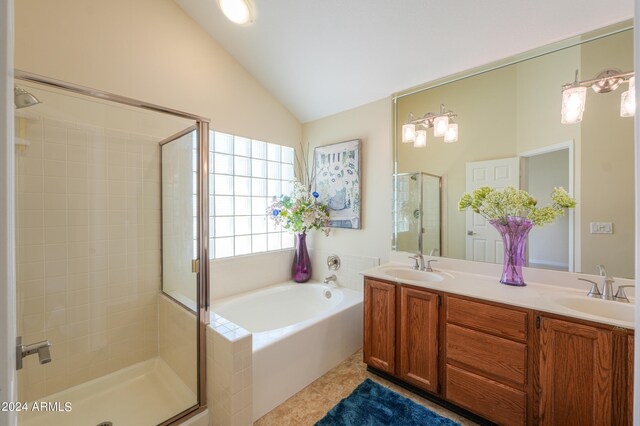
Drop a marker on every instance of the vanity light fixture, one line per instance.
(237, 11)
(628, 100)
(574, 95)
(421, 139)
(441, 122)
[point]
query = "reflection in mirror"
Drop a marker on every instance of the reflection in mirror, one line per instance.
(418, 224)
(510, 133)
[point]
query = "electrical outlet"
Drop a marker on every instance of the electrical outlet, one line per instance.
(601, 227)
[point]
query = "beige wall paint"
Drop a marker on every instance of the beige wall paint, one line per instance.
(607, 164)
(371, 124)
(149, 50)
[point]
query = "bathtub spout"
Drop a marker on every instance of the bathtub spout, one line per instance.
(331, 280)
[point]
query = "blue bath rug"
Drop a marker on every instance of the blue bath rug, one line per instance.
(371, 404)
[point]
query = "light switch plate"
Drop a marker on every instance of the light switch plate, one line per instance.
(601, 227)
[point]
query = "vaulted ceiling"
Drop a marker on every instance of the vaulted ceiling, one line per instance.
(320, 57)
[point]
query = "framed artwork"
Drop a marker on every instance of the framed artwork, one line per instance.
(337, 181)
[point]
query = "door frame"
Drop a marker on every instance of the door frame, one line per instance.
(573, 214)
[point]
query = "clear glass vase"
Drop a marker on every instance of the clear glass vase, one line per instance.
(514, 231)
(301, 268)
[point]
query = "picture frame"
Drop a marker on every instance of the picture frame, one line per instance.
(338, 181)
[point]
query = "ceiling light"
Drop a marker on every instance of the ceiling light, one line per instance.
(237, 11)
(440, 123)
(574, 95)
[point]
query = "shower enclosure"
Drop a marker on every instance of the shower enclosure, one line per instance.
(109, 206)
(417, 210)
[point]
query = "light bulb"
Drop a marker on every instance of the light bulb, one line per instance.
(451, 135)
(237, 11)
(408, 133)
(573, 100)
(440, 125)
(421, 139)
(627, 104)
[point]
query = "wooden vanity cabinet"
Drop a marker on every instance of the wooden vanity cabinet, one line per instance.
(576, 371)
(487, 360)
(418, 339)
(585, 373)
(380, 325)
(508, 365)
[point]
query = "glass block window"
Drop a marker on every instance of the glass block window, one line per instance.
(244, 176)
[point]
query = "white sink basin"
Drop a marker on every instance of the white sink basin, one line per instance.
(602, 308)
(411, 274)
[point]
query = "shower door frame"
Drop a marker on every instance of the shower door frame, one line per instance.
(202, 127)
(420, 209)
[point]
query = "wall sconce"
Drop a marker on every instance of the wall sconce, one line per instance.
(442, 127)
(574, 95)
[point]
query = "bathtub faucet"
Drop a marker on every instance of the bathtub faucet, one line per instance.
(331, 280)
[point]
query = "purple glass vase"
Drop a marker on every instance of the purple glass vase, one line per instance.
(514, 231)
(301, 268)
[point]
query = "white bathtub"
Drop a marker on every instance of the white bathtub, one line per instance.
(299, 333)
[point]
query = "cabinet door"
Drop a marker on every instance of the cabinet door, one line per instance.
(379, 325)
(419, 338)
(575, 374)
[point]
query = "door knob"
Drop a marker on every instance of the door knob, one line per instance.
(471, 233)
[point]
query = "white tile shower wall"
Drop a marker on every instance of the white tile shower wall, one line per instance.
(350, 267)
(229, 374)
(88, 251)
(178, 336)
(241, 274)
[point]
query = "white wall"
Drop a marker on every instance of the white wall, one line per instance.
(7, 251)
(372, 124)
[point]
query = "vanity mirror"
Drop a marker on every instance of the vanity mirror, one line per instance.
(508, 118)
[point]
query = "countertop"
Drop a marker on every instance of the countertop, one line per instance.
(535, 296)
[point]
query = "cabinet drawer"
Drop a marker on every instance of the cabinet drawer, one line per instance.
(493, 401)
(493, 319)
(491, 356)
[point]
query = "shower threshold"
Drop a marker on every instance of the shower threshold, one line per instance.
(146, 393)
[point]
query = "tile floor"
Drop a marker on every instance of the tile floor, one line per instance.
(313, 402)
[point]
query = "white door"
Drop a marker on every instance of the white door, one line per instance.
(483, 242)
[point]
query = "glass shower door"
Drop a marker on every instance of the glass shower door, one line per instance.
(92, 256)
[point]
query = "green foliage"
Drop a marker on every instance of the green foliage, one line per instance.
(495, 204)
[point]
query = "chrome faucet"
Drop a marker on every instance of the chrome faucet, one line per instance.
(419, 258)
(607, 290)
(420, 263)
(331, 280)
(41, 348)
